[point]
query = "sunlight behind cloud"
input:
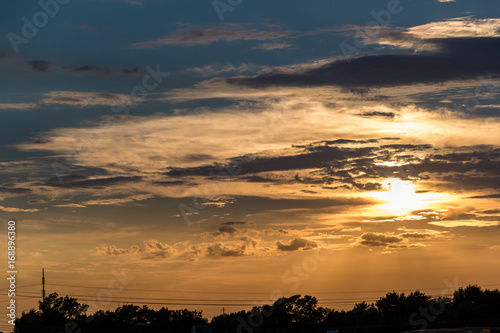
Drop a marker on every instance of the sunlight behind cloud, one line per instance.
(401, 197)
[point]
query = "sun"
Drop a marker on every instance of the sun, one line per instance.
(400, 196)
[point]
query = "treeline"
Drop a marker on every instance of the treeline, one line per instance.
(469, 306)
(66, 314)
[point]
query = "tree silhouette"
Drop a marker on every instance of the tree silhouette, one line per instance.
(471, 306)
(53, 314)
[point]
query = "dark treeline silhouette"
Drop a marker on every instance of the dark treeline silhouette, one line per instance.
(469, 306)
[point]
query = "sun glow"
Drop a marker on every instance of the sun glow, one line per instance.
(401, 196)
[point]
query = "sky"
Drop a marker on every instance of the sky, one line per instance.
(210, 154)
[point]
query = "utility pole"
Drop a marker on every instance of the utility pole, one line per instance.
(43, 289)
(223, 310)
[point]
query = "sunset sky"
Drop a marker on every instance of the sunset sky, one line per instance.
(227, 153)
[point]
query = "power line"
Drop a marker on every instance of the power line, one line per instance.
(228, 300)
(254, 293)
(25, 286)
(219, 302)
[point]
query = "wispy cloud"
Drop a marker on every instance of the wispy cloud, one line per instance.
(18, 210)
(18, 106)
(217, 69)
(208, 35)
(273, 46)
(458, 27)
(84, 99)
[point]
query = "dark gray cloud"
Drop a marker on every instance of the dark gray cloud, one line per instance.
(375, 239)
(39, 65)
(234, 223)
(389, 115)
(100, 70)
(489, 196)
(170, 183)
(85, 68)
(456, 59)
(314, 157)
(354, 167)
(297, 244)
(134, 70)
(226, 228)
(414, 235)
(468, 182)
(78, 181)
(14, 190)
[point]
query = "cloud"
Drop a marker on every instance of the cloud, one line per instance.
(487, 196)
(133, 70)
(70, 205)
(406, 239)
(156, 250)
(113, 250)
(46, 66)
(272, 46)
(226, 229)
(18, 210)
(85, 68)
(76, 181)
(117, 201)
(297, 244)
(458, 27)
(217, 69)
(377, 239)
(220, 250)
(39, 65)
(414, 235)
(465, 223)
(389, 115)
(426, 36)
(274, 153)
(350, 229)
(234, 223)
(14, 190)
(457, 59)
(151, 249)
(201, 36)
(17, 106)
(100, 70)
(85, 99)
